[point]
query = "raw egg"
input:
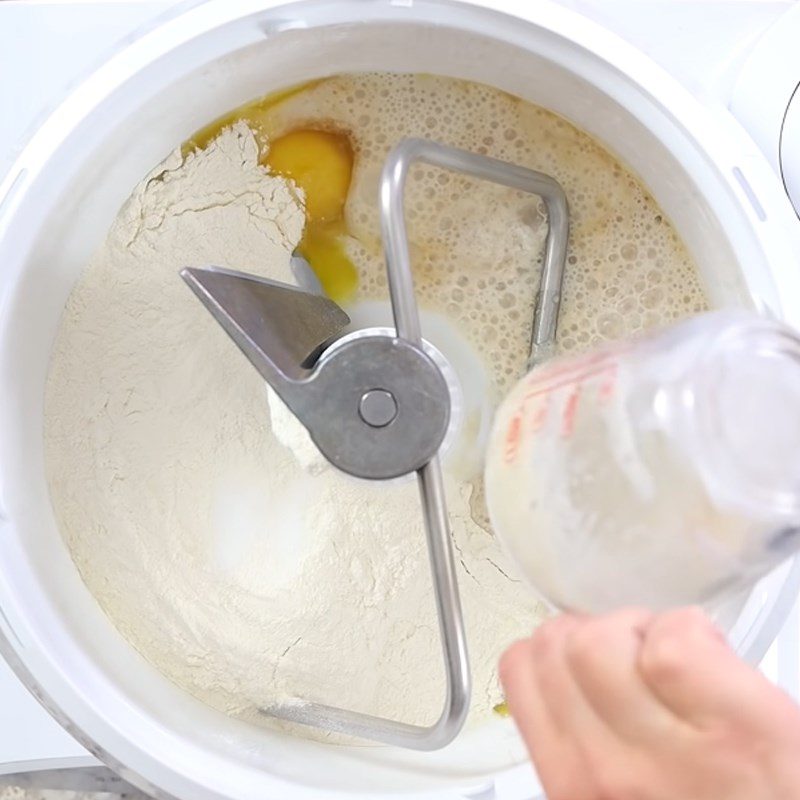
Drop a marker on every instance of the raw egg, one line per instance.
(321, 164)
(502, 709)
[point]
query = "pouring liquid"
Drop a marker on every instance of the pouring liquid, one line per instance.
(659, 472)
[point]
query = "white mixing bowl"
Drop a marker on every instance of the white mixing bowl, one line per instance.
(56, 206)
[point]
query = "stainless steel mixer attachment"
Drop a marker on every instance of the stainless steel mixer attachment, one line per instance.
(377, 406)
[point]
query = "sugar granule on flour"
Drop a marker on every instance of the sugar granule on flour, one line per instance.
(241, 573)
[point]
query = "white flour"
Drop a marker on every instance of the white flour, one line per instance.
(238, 573)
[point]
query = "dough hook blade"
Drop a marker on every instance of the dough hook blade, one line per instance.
(377, 406)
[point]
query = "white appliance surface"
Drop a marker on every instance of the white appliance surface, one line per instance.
(49, 46)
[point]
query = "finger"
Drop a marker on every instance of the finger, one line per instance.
(525, 700)
(687, 663)
(603, 655)
(540, 709)
(565, 703)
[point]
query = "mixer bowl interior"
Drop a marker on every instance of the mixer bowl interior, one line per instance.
(125, 122)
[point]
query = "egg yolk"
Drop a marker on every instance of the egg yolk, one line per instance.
(321, 164)
(502, 709)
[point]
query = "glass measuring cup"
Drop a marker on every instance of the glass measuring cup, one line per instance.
(657, 472)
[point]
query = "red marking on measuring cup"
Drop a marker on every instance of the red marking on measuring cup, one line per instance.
(571, 370)
(545, 384)
(570, 410)
(609, 385)
(539, 416)
(512, 439)
(565, 382)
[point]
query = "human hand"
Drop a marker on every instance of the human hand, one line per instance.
(641, 706)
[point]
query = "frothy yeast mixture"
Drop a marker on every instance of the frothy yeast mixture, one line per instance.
(244, 576)
(477, 247)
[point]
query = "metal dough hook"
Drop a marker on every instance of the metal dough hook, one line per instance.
(377, 406)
